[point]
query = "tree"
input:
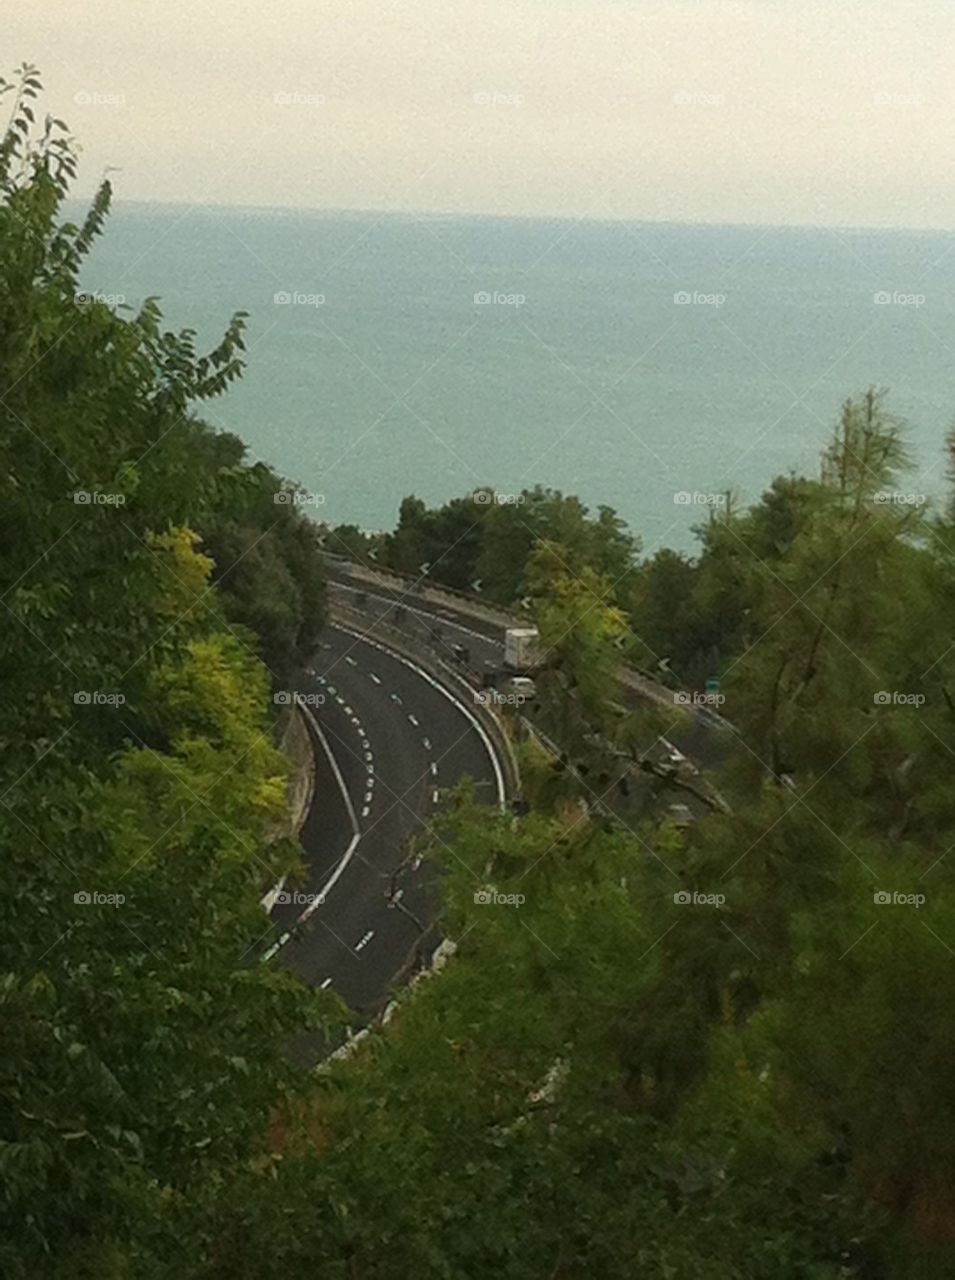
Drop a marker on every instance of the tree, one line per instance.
(143, 1048)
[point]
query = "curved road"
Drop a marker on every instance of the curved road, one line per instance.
(390, 741)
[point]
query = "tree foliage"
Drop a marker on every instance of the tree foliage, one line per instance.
(142, 1053)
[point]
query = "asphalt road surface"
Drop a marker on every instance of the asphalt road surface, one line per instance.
(442, 626)
(390, 742)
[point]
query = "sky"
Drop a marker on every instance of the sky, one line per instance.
(767, 112)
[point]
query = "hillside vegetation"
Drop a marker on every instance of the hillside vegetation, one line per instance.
(720, 1051)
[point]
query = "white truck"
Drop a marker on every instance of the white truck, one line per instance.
(521, 649)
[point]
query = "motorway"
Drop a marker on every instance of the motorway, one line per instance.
(440, 624)
(388, 742)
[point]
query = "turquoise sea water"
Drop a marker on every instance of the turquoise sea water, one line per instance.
(385, 377)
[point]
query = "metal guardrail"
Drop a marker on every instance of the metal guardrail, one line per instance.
(423, 588)
(419, 588)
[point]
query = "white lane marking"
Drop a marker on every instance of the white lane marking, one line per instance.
(346, 857)
(269, 900)
(347, 709)
(368, 756)
(332, 690)
(351, 661)
(365, 811)
(426, 743)
(465, 711)
(396, 697)
(413, 719)
(367, 797)
(365, 743)
(372, 676)
(355, 720)
(321, 679)
(434, 769)
(417, 863)
(363, 942)
(434, 796)
(326, 983)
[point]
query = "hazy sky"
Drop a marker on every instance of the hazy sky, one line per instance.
(701, 110)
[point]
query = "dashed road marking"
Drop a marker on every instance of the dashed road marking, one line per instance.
(351, 661)
(365, 811)
(372, 676)
(426, 742)
(326, 983)
(434, 769)
(363, 942)
(434, 796)
(413, 719)
(396, 697)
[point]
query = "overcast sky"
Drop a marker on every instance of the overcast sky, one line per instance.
(687, 110)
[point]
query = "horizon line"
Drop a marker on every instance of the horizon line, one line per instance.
(457, 215)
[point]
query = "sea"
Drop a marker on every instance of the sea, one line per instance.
(647, 366)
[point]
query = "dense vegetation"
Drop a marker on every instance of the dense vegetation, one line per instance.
(141, 1052)
(615, 1081)
(686, 615)
(609, 1080)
